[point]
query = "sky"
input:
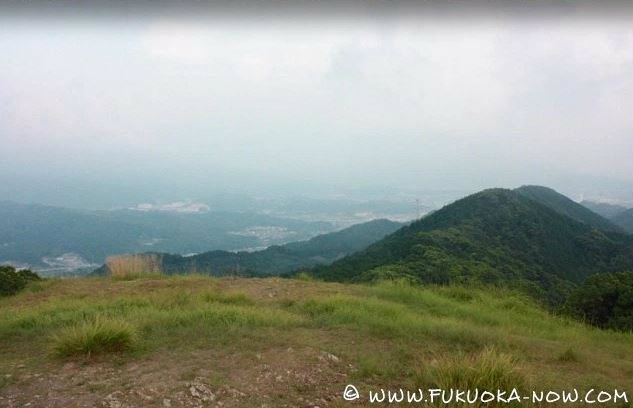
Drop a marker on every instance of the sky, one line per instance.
(114, 111)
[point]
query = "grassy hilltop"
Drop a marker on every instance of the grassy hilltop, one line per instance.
(198, 341)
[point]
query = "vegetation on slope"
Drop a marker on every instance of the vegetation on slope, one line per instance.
(266, 337)
(605, 300)
(497, 237)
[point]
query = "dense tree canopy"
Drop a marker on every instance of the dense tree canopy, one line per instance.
(605, 300)
(12, 281)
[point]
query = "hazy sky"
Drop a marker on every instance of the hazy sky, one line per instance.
(168, 108)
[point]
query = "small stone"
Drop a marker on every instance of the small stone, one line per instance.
(166, 403)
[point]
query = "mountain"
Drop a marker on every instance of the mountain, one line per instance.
(565, 206)
(624, 220)
(275, 260)
(605, 210)
(53, 239)
(496, 236)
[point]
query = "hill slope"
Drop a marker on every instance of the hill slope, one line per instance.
(496, 236)
(275, 260)
(565, 206)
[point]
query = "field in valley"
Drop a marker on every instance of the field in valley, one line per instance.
(196, 341)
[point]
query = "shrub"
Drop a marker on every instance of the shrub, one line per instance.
(12, 281)
(101, 335)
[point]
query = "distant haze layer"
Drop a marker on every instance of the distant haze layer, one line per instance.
(99, 113)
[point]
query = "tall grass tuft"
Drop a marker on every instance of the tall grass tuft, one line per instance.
(132, 266)
(488, 370)
(101, 335)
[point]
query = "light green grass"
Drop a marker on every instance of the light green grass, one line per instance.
(95, 337)
(391, 333)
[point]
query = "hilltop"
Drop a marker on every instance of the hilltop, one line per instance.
(232, 342)
(498, 237)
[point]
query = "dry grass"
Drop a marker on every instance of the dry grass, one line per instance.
(132, 266)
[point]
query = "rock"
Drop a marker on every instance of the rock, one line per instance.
(329, 356)
(201, 391)
(166, 403)
(111, 400)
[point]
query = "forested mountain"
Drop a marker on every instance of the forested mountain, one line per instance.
(275, 260)
(36, 234)
(496, 236)
(624, 220)
(565, 206)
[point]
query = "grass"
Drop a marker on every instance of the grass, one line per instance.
(488, 370)
(568, 356)
(133, 266)
(97, 336)
(390, 333)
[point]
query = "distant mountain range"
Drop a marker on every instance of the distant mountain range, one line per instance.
(54, 238)
(624, 220)
(618, 215)
(275, 260)
(531, 238)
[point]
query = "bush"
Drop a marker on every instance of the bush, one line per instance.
(605, 300)
(101, 335)
(12, 281)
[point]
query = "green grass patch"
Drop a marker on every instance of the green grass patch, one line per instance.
(101, 335)
(489, 370)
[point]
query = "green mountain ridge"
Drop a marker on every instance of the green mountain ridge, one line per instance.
(277, 259)
(496, 236)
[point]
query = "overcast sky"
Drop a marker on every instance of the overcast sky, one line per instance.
(172, 108)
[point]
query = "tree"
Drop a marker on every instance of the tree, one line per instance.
(605, 300)
(13, 281)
